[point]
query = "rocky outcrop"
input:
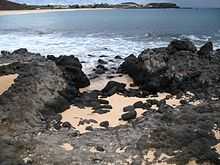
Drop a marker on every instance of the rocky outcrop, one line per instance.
(31, 131)
(206, 50)
(177, 67)
(72, 70)
(42, 90)
(179, 45)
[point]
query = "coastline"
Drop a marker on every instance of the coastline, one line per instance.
(127, 115)
(22, 12)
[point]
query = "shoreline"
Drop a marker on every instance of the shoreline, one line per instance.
(38, 11)
(142, 111)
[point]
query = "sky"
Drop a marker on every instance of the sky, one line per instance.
(182, 3)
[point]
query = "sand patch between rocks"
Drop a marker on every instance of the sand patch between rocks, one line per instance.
(75, 114)
(6, 82)
(100, 83)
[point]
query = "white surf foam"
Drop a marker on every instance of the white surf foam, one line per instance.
(81, 47)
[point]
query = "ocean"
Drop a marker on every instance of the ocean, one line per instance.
(107, 32)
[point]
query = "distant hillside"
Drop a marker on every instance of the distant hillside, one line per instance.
(8, 5)
(161, 5)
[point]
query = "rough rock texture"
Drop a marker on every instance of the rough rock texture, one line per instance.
(41, 91)
(178, 45)
(72, 70)
(177, 67)
(206, 50)
(183, 133)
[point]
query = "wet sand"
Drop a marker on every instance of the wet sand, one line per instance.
(6, 82)
(21, 12)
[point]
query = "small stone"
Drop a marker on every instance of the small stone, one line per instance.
(129, 108)
(104, 124)
(66, 125)
(129, 116)
(104, 106)
(89, 128)
(100, 61)
(101, 101)
(183, 102)
(118, 57)
(103, 56)
(101, 111)
(139, 104)
(100, 149)
(153, 102)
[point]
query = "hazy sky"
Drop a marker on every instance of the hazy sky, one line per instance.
(183, 3)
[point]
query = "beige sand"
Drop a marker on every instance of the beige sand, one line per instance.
(118, 102)
(74, 115)
(101, 82)
(67, 147)
(150, 157)
(6, 82)
(37, 11)
(217, 136)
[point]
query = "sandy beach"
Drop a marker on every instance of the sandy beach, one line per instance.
(6, 82)
(21, 12)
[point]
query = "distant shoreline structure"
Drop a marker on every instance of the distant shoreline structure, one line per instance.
(8, 5)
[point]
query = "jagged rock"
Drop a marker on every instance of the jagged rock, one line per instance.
(72, 70)
(206, 50)
(156, 70)
(178, 45)
(20, 51)
(113, 87)
(51, 57)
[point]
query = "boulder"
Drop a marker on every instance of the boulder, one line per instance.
(113, 87)
(20, 51)
(217, 52)
(159, 70)
(178, 45)
(129, 108)
(139, 104)
(72, 70)
(129, 115)
(206, 50)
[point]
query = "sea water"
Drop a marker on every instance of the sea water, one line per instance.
(107, 32)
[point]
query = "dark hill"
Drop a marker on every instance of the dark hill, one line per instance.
(8, 5)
